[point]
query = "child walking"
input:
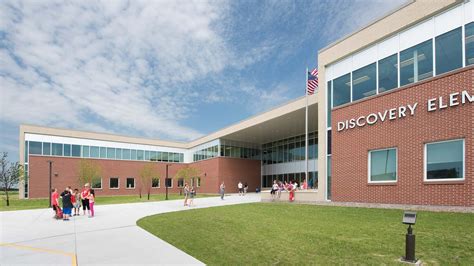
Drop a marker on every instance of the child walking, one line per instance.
(192, 193)
(77, 203)
(91, 198)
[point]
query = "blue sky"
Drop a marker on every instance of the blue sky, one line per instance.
(173, 70)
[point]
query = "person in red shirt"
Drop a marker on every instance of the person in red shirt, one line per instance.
(55, 200)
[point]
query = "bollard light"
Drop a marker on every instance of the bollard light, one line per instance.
(410, 219)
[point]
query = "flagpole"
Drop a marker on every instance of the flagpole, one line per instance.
(306, 129)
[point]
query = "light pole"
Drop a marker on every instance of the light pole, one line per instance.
(50, 176)
(166, 181)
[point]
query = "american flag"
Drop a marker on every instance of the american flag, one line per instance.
(312, 81)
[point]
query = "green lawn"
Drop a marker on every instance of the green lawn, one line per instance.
(25, 204)
(265, 233)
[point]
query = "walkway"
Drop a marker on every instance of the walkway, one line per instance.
(112, 237)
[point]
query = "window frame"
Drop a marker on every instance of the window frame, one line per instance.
(369, 167)
(159, 182)
(118, 185)
(425, 161)
(126, 182)
(101, 185)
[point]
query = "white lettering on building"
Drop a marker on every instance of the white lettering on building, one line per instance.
(433, 104)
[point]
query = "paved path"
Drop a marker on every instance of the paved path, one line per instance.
(112, 237)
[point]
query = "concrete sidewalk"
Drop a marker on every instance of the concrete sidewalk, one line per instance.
(112, 237)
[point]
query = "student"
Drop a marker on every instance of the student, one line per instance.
(222, 190)
(280, 189)
(192, 194)
(67, 204)
(241, 188)
(246, 187)
(186, 193)
(85, 200)
(77, 203)
(275, 188)
(55, 201)
(91, 199)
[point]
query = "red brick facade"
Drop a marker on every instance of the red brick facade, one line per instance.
(65, 173)
(408, 134)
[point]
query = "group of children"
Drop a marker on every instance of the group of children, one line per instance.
(291, 187)
(73, 200)
(189, 194)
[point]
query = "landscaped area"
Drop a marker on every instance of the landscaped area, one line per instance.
(25, 204)
(265, 233)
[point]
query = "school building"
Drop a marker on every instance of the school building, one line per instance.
(392, 122)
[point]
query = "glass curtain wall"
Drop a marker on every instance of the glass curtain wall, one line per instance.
(290, 149)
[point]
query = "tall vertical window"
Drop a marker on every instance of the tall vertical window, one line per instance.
(76, 151)
(126, 154)
(328, 146)
(140, 155)
(329, 107)
(95, 152)
(103, 152)
(329, 175)
(383, 166)
(388, 73)
(118, 153)
(85, 151)
(364, 82)
(133, 154)
(444, 160)
(130, 182)
(114, 183)
(448, 51)
(110, 153)
(46, 148)
(416, 63)
(57, 149)
(67, 149)
(341, 90)
(469, 42)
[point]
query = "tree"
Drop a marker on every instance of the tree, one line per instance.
(187, 173)
(10, 175)
(147, 174)
(89, 172)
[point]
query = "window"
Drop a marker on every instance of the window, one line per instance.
(114, 183)
(126, 154)
(469, 40)
(448, 51)
(444, 160)
(364, 82)
(164, 156)
(67, 149)
(130, 182)
(110, 153)
(46, 148)
(103, 152)
(341, 90)
(118, 154)
(95, 152)
(26, 152)
(35, 147)
(76, 151)
(57, 149)
(155, 182)
(329, 107)
(383, 166)
(147, 155)
(96, 183)
(85, 151)
(416, 63)
(181, 182)
(140, 155)
(133, 154)
(198, 182)
(388, 73)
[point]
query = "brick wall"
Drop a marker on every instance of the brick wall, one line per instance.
(350, 147)
(213, 171)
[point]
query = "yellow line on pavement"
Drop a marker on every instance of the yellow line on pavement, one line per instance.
(71, 255)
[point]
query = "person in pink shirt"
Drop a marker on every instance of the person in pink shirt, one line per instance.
(91, 199)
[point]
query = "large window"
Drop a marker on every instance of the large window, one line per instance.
(364, 82)
(114, 183)
(388, 73)
(341, 89)
(416, 63)
(95, 152)
(130, 182)
(103, 152)
(85, 151)
(444, 160)
(96, 183)
(155, 182)
(383, 166)
(110, 153)
(76, 151)
(329, 107)
(67, 149)
(469, 42)
(35, 147)
(448, 51)
(57, 149)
